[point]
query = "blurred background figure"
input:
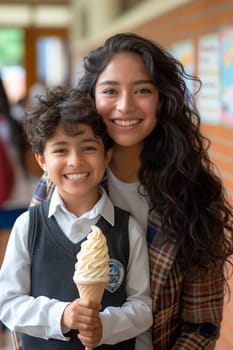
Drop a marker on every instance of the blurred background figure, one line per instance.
(17, 109)
(18, 175)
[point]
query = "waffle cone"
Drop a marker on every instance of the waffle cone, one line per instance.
(91, 290)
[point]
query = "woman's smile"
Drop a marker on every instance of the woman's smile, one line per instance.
(126, 123)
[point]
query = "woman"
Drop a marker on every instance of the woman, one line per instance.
(161, 172)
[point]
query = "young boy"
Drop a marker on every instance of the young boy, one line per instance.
(38, 296)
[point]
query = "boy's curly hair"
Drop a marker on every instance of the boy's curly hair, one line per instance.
(65, 108)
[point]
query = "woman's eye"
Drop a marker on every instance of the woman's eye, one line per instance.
(143, 91)
(109, 92)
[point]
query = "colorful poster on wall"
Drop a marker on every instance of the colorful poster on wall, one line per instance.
(227, 75)
(208, 70)
(184, 52)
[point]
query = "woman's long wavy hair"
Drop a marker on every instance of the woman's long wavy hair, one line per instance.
(184, 188)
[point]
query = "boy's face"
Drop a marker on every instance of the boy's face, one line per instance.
(76, 164)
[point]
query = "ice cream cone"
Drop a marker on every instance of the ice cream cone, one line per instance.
(92, 267)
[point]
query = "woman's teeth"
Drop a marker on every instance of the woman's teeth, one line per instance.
(126, 122)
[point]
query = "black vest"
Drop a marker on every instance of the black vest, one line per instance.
(53, 257)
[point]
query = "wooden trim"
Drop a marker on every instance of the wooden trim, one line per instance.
(30, 58)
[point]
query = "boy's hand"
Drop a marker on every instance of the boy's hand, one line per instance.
(83, 315)
(92, 338)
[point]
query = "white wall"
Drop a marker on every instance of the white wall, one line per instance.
(36, 15)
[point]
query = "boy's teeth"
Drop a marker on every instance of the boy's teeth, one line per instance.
(76, 176)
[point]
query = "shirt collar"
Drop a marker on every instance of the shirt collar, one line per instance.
(103, 207)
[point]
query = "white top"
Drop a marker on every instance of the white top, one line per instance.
(41, 316)
(126, 196)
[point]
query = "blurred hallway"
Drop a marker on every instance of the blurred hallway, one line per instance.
(191, 29)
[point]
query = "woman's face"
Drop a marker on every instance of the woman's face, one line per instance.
(127, 99)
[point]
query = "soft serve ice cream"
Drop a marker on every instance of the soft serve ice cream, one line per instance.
(92, 260)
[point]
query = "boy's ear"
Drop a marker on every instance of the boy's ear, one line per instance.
(108, 157)
(41, 161)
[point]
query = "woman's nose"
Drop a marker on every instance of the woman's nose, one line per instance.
(125, 103)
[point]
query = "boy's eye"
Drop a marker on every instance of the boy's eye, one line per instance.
(59, 151)
(89, 148)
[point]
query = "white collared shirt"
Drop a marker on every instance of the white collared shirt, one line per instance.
(41, 316)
